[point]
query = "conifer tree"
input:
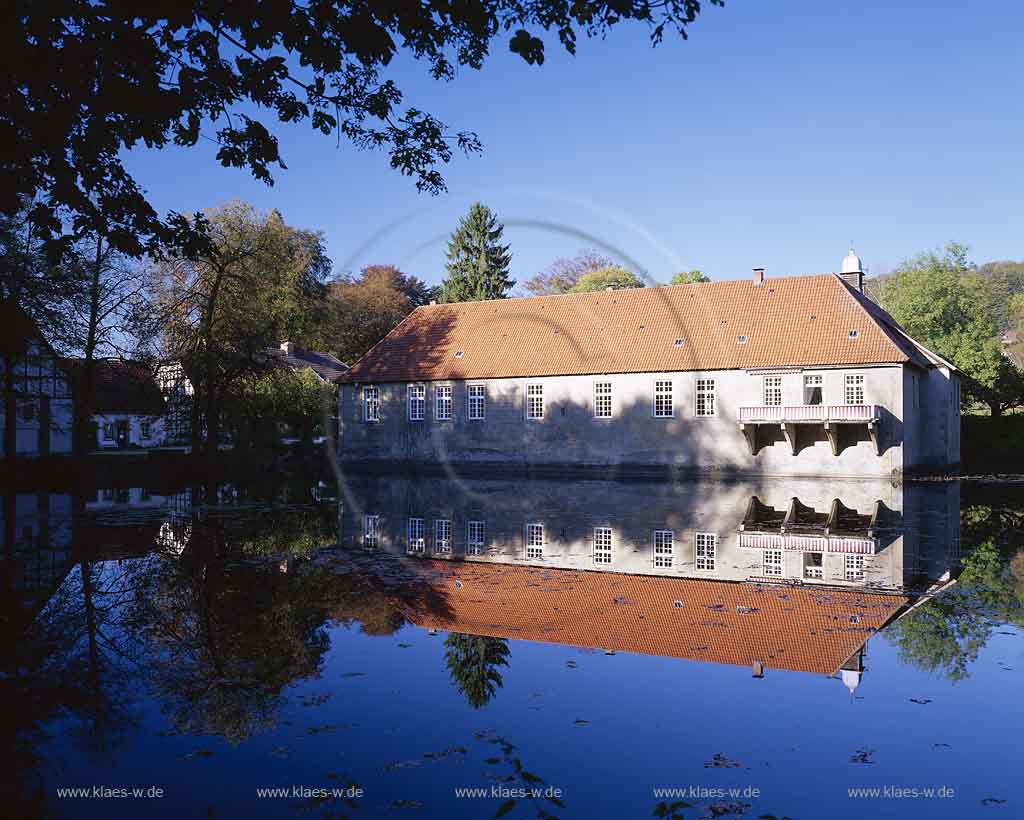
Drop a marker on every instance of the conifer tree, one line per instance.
(477, 261)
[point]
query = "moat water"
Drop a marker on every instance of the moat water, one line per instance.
(443, 648)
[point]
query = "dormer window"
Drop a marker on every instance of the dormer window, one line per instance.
(853, 334)
(458, 354)
(741, 339)
(677, 343)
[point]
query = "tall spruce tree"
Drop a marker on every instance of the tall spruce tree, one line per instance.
(477, 261)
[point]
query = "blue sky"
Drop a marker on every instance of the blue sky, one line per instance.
(772, 137)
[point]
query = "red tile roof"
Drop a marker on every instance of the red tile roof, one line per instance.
(788, 321)
(803, 629)
(123, 386)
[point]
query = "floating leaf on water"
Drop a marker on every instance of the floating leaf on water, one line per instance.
(720, 761)
(505, 808)
(992, 801)
(354, 674)
(922, 701)
(862, 756)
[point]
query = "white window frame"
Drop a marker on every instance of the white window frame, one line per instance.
(853, 388)
(415, 540)
(659, 392)
(371, 531)
(772, 391)
(853, 567)
(475, 537)
(109, 431)
(705, 551)
(145, 429)
(534, 541)
(371, 404)
(812, 380)
(603, 407)
(773, 568)
(442, 536)
(476, 402)
(416, 397)
(811, 571)
(663, 544)
(604, 546)
(705, 398)
(443, 402)
(534, 393)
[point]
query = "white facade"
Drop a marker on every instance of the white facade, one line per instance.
(36, 403)
(128, 430)
(837, 421)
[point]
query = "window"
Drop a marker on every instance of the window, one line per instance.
(854, 567)
(122, 496)
(145, 494)
(602, 545)
(812, 390)
(664, 547)
(27, 410)
(705, 548)
(664, 403)
(414, 536)
(416, 399)
(854, 389)
(535, 541)
(602, 400)
(371, 531)
(146, 428)
(474, 538)
(535, 401)
(773, 563)
(443, 402)
(813, 567)
(371, 404)
(476, 401)
(705, 397)
(442, 535)
(773, 390)
(107, 495)
(109, 431)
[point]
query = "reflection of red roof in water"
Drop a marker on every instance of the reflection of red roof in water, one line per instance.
(797, 628)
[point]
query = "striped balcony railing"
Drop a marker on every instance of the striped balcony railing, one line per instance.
(807, 543)
(808, 413)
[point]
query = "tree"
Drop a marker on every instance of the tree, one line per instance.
(100, 321)
(477, 261)
(612, 277)
(87, 79)
(563, 274)
(418, 291)
(473, 662)
(45, 292)
(220, 312)
(264, 406)
(362, 310)
(688, 277)
(942, 301)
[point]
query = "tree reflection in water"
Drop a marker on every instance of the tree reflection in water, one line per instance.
(473, 662)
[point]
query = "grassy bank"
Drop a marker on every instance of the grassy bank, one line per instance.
(992, 445)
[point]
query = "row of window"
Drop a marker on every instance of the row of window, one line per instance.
(662, 542)
(663, 403)
(853, 389)
(535, 541)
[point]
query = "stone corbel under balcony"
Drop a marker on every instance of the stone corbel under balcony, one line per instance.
(832, 418)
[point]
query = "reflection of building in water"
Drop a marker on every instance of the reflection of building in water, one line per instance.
(35, 540)
(845, 535)
(790, 575)
(129, 504)
(799, 629)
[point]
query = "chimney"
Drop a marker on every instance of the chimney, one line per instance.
(288, 348)
(758, 277)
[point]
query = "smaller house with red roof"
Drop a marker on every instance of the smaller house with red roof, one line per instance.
(128, 409)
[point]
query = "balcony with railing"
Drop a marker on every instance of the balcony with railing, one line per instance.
(829, 416)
